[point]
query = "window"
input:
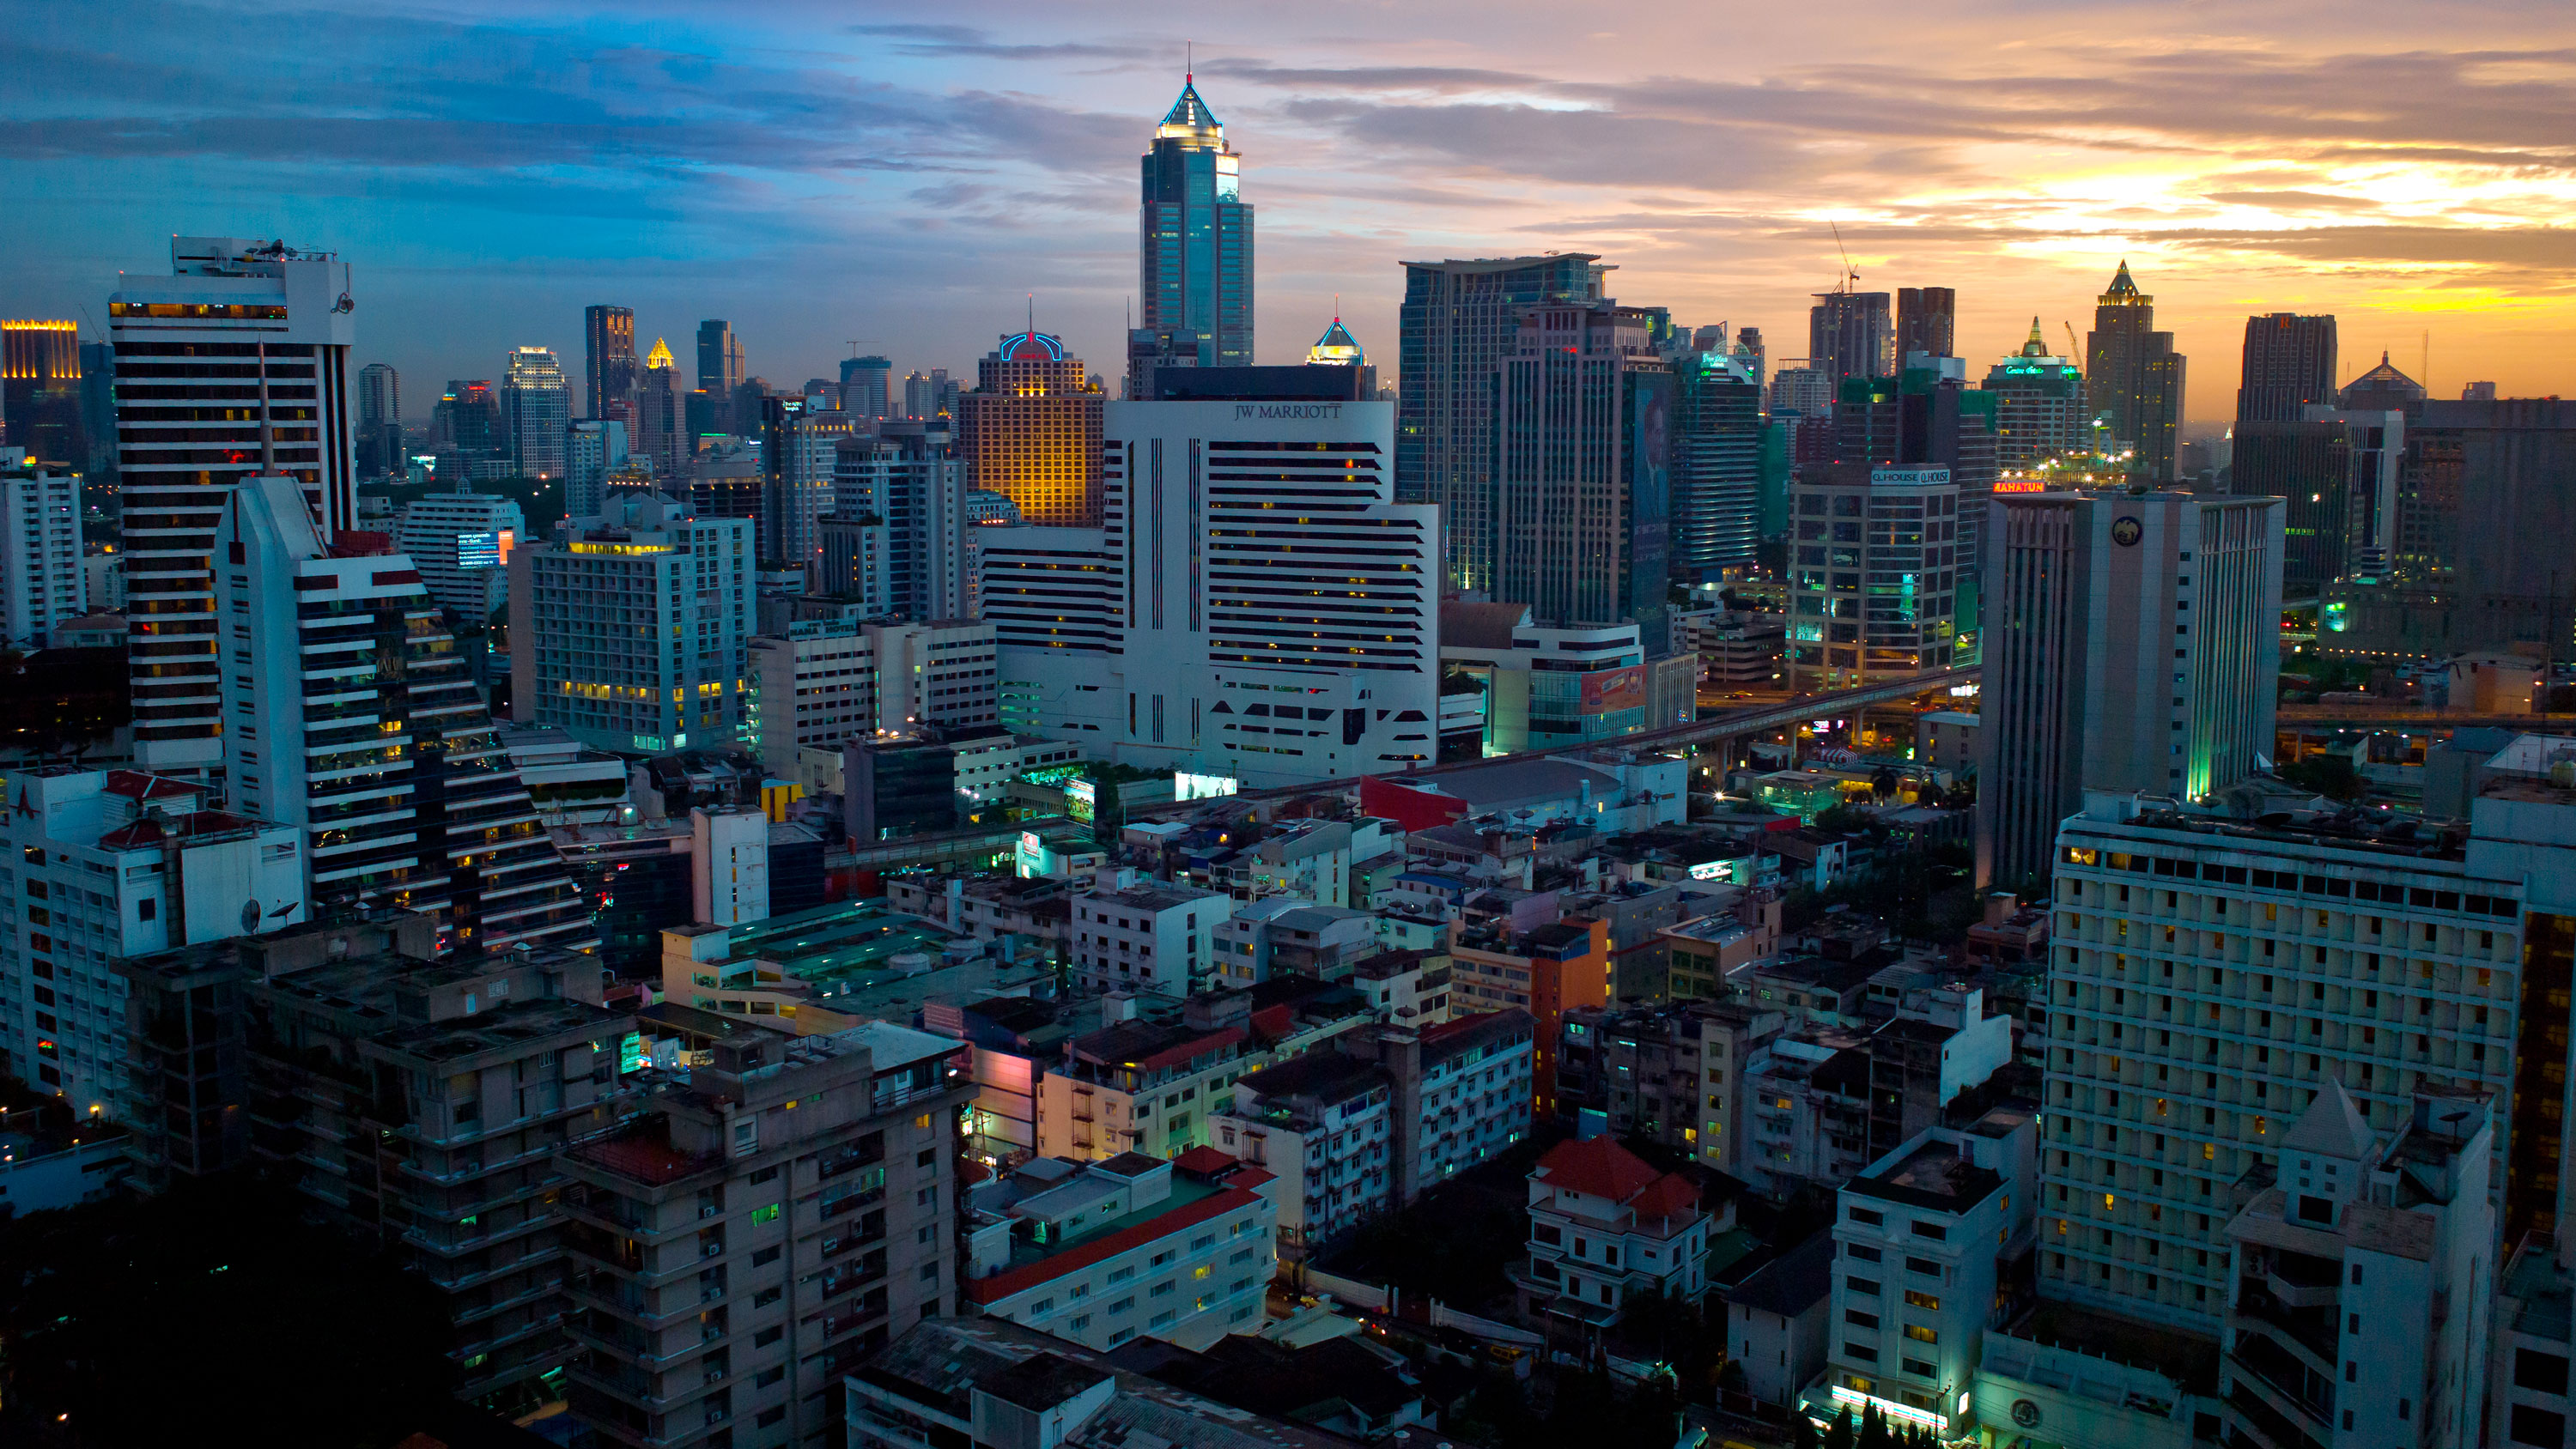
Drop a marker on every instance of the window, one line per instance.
(1921, 1334)
(1860, 1252)
(768, 1376)
(1858, 1354)
(767, 1214)
(1923, 1265)
(144, 909)
(2538, 1426)
(1934, 1231)
(768, 1336)
(1869, 1216)
(767, 1296)
(1861, 1285)
(1858, 1319)
(765, 1256)
(1922, 1300)
(769, 1417)
(2546, 1372)
(1043, 1305)
(1920, 1369)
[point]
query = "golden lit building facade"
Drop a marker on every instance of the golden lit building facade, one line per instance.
(1030, 431)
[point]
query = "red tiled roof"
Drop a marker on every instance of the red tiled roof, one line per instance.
(998, 1286)
(1596, 1167)
(1173, 1056)
(1273, 1022)
(1669, 1196)
(142, 786)
(1205, 1161)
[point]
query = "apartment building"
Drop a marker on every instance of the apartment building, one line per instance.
(43, 582)
(1545, 971)
(1144, 1086)
(1405, 987)
(1101, 1252)
(1273, 934)
(2361, 1280)
(757, 1232)
(2211, 976)
(1149, 938)
(423, 1102)
(1605, 1229)
(1924, 1237)
(1703, 954)
(461, 543)
(1677, 1075)
(104, 866)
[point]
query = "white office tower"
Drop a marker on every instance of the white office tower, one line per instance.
(802, 482)
(244, 338)
(42, 579)
(2211, 974)
(828, 681)
(348, 713)
(536, 411)
(107, 864)
(729, 865)
(2374, 1261)
(1254, 605)
(2131, 643)
(907, 475)
(593, 449)
(461, 543)
(627, 629)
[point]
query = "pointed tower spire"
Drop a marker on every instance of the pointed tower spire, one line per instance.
(2035, 345)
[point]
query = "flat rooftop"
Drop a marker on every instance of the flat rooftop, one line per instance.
(829, 945)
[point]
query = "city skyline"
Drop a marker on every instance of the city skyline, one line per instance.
(2400, 186)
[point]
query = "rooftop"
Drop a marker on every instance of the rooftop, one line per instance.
(1200, 1192)
(1791, 1283)
(1934, 1175)
(845, 944)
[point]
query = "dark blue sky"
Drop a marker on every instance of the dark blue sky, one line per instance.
(818, 173)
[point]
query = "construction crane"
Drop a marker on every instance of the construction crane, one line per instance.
(1850, 279)
(2074, 349)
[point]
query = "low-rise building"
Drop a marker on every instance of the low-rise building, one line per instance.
(1405, 987)
(1144, 1086)
(1324, 1124)
(1546, 971)
(1778, 1321)
(987, 1383)
(1279, 933)
(1926, 1236)
(2010, 933)
(2360, 1289)
(1100, 1252)
(781, 965)
(1148, 938)
(1677, 1075)
(1606, 1229)
(759, 1230)
(1703, 953)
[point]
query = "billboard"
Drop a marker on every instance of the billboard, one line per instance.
(1608, 691)
(1186, 786)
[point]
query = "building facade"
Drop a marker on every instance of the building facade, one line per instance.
(2040, 410)
(1148, 938)
(1875, 575)
(594, 451)
(1926, 322)
(536, 411)
(2130, 644)
(461, 543)
(1582, 501)
(910, 478)
(2289, 368)
(1849, 335)
(43, 581)
(1207, 630)
(261, 333)
(1030, 431)
(609, 368)
(40, 392)
(2135, 378)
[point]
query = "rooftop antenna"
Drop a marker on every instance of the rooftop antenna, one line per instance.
(1190, 62)
(1851, 275)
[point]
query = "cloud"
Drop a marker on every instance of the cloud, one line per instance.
(958, 41)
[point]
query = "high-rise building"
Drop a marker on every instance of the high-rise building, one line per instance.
(98, 407)
(43, 581)
(929, 394)
(2135, 378)
(1753, 355)
(1717, 465)
(830, 1228)
(1583, 468)
(114, 856)
(593, 449)
(2338, 470)
(2382, 388)
(241, 355)
(2289, 367)
(2210, 976)
(2099, 606)
(1874, 574)
(1848, 336)
(627, 630)
(467, 421)
(867, 388)
(659, 433)
(719, 359)
(461, 543)
(349, 713)
(1030, 431)
(1194, 250)
(2039, 406)
(536, 408)
(907, 475)
(608, 356)
(40, 392)
(2473, 392)
(380, 449)
(1458, 320)
(798, 446)
(1926, 321)
(1805, 391)
(1208, 626)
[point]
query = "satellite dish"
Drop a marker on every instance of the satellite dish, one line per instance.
(250, 916)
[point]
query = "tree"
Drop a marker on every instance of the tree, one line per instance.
(2330, 775)
(1873, 1430)
(1108, 815)
(1883, 782)
(1806, 1438)
(1840, 1435)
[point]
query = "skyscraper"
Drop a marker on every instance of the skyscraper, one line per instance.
(1030, 430)
(349, 713)
(867, 388)
(2338, 469)
(1754, 355)
(536, 411)
(2131, 644)
(797, 448)
(379, 420)
(1717, 465)
(250, 341)
(467, 420)
(719, 358)
(929, 394)
(1194, 249)
(592, 450)
(98, 407)
(40, 397)
(1848, 336)
(2289, 364)
(906, 474)
(42, 580)
(1874, 575)
(461, 543)
(1926, 318)
(608, 335)
(2039, 405)
(2134, 378)
(658, 431)
(1583, 468)
(1458, 320)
